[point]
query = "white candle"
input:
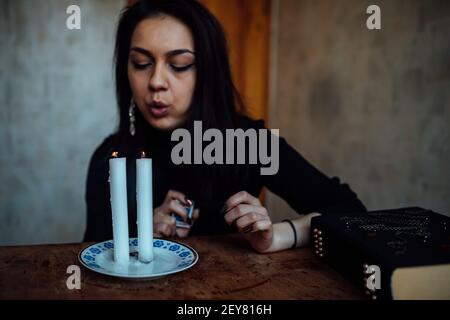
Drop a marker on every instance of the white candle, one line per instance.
(119, 208)
(144, 198)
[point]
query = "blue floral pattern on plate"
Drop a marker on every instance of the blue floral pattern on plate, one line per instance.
(173, 257)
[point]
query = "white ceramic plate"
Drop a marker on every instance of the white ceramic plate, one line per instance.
(169, 257)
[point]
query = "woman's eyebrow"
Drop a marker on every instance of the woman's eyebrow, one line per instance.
(142, 50)
(178, 51)
(169, 54)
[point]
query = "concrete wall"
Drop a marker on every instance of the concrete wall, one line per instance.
(56, 105)
(372, 107)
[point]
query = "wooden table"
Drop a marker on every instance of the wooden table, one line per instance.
(227, 269)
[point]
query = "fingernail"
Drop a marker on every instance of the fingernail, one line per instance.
(187, 201)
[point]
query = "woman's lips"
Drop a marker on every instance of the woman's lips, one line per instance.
(159, 110)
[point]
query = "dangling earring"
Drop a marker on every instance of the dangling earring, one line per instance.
(132, 118)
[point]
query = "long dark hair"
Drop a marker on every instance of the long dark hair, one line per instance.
(215, 102)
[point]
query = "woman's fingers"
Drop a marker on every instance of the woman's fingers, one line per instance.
(241, 210)
(195, 215)
(251, 219)
(182, 232)
(164, 230)
(164, 223)
(239, 198)
(172, 194)
(253, 222)
(262, 225)
(175, 206)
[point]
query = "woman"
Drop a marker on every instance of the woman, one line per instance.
(172, 69)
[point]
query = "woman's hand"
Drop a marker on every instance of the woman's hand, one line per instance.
(164, 225)
(251, 219)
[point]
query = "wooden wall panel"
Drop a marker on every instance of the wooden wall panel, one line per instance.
(247, 25)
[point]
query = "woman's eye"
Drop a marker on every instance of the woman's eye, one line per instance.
(181, 68)
(140, 66)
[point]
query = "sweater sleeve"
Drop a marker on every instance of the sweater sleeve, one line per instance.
(306, 189)
(98, 224)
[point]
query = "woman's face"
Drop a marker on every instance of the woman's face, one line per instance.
(161, 71)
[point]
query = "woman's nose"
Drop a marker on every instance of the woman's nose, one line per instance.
(157, 81)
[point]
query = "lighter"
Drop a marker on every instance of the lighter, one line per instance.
(179, 221)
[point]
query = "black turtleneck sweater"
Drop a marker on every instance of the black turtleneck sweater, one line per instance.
(304, 187)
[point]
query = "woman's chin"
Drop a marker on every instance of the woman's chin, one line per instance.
(163, 124)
